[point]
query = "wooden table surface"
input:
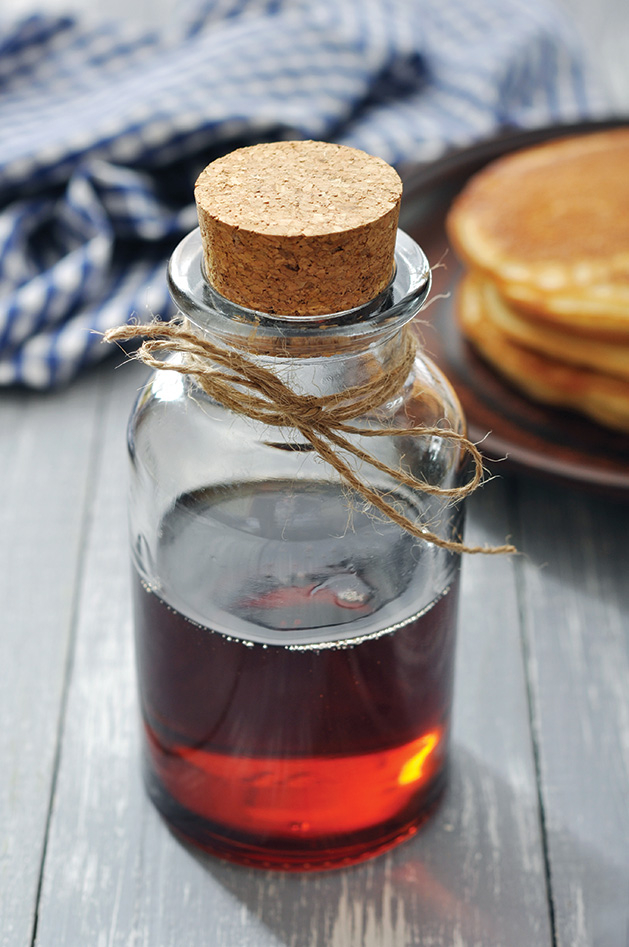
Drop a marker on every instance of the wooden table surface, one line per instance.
(530, 847)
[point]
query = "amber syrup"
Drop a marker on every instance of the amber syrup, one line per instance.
(311, 746)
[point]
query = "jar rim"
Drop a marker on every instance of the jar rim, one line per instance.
(207, 309)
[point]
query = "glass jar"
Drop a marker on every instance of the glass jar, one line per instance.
(294, 646)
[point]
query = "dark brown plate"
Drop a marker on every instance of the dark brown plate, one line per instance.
(531, 437)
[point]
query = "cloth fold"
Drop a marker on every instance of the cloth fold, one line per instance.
(104, 132)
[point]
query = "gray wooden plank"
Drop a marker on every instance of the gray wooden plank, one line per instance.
(47, 446)
(576, 596)
(114, 875)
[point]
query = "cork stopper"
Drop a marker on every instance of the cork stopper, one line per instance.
(298, 227)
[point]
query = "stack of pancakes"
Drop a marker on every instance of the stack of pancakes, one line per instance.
(545, 234)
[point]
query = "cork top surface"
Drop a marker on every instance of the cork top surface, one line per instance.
(298, 227)
(298, 188)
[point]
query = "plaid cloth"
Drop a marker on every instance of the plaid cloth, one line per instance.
(103, 132)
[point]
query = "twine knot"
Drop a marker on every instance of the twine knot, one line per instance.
(250, 389)
(311, 411)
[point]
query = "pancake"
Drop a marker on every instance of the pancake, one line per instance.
(610, 358)
(604, 398)
(550, 226)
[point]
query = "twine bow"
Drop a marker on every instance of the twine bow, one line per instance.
(247, 388)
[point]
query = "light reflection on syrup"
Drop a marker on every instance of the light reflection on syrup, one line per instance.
(248, 795)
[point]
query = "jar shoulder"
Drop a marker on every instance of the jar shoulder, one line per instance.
(425, 399)
(180, 437)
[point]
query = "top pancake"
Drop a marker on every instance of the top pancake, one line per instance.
(550, 225)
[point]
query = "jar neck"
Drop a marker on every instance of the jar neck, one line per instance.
(367, 330)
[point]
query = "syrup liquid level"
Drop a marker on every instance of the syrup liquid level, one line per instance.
(275, 752)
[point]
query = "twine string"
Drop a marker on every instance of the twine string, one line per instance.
(250, 389)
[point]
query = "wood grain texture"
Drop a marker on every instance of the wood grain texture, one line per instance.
(575, 596)
(90, 853)
(47, 452)
(114, 875)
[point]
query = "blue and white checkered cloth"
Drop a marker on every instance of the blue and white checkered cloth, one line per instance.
(103, 133)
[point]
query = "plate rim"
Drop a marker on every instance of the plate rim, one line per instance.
(463, 162)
